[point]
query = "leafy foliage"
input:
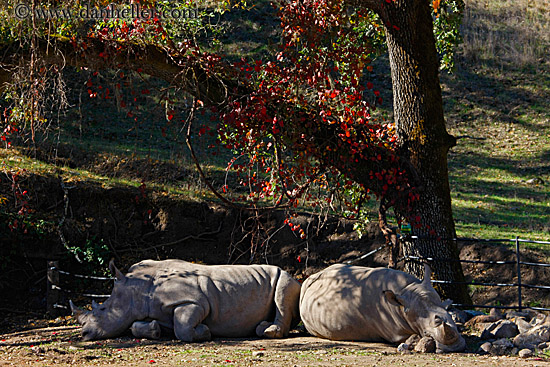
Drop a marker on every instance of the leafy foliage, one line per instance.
(307, 117)
(448, 16)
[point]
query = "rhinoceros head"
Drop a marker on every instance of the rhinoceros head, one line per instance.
(427, 315)
(116, 314)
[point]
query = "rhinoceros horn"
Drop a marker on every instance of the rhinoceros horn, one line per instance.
(448, 332)
(75, 310)
(115, 271)
(427, 276)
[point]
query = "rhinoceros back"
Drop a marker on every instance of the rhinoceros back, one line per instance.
(235, 298)
(346, 302)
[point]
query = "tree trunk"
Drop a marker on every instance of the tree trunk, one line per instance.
(423, 139)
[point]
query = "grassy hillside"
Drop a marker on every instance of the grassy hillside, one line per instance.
(497, 101)
(500, 97)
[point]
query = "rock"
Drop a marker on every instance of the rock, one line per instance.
(459, 316)
(258, 353)
(425, 345)
(538, 319)
(525, 353)
(500, 329)
(543, 346)
(516, 314)
(523, 325)
(403, 348)
(494, 315)
(533, 337)
(472, 313)
(486, 348)
(503, 342)
(412, 340)
(502, 346)
(38, 350)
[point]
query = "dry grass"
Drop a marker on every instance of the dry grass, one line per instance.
(507, 31)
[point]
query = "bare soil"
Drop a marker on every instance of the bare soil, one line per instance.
(61, 346)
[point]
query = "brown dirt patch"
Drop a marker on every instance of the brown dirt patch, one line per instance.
(61, 346)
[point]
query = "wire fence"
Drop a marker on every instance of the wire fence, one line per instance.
(55, 290)
(519, 264)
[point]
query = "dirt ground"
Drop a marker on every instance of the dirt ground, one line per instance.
(61, 346)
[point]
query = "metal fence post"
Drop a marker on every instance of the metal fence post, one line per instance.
(52, 290)
(519, 273)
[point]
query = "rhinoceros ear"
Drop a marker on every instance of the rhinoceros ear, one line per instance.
(117, 273)
(394, 299)
(427, 276)
(447, 303)
(75, 310)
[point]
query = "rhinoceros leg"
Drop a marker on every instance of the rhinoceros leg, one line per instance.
(187, 326)
(144, 329)
(287, 294)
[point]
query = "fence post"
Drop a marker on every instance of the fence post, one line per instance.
(52, 291)
(519, 273)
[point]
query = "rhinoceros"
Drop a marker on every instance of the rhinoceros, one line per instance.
(195, 302)
(345, 302)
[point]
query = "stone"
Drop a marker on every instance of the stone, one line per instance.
(525, 353)
(403, 348)
(502, 346)
(412, 340)
(538, 319)
(523, 325)
(543, 346)
(258, 354)
(459, 316)
(38, 350)
(533, 337)
(493, 316)
(425, 345)
(516, 314)
(503, 342)
(505, 329)
(500, 329)
(486, 348)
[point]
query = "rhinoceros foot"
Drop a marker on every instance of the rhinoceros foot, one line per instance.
(144, 329)
(269, 330)
(202, 333)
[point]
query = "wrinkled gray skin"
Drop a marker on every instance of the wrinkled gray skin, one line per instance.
(195, 301)
(346, 302)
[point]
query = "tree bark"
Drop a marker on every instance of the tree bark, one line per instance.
(423, 140)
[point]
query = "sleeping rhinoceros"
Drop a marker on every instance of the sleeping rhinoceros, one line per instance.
(195, 302)
(346, 302)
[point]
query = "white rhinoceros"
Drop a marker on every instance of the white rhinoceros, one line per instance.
(195, 301)
(345, 302)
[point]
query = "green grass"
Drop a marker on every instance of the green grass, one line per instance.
(501, 184)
